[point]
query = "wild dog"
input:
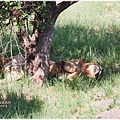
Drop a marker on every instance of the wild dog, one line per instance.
(73, 68)
(13, 69)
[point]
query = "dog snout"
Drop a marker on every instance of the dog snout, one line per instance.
(100, 73)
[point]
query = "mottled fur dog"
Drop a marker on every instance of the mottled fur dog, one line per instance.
(73, 68)
(13, 67)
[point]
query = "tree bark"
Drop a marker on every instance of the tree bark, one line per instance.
(40, 63)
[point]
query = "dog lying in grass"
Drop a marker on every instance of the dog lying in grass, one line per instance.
(14, 68)
(73, 68)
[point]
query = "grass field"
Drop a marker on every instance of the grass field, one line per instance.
(87, 30)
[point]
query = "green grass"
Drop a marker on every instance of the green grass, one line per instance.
(87, 30)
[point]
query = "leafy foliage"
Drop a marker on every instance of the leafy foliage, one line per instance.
(22, 12)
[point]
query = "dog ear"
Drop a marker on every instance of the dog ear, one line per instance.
(1, 56)
(1, 59)
(4, 60)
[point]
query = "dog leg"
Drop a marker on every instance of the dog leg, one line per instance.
(73, 76)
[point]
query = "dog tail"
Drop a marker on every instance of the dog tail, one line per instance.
(51, 62)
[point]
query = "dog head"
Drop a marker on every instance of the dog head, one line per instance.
(92, 70)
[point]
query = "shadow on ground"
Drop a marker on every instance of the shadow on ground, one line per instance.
(18, 107)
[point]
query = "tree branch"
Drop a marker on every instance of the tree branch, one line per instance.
(61, 7)
(52, 4)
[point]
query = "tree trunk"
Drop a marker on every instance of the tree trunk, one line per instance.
(37, 53)
(38, 62)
